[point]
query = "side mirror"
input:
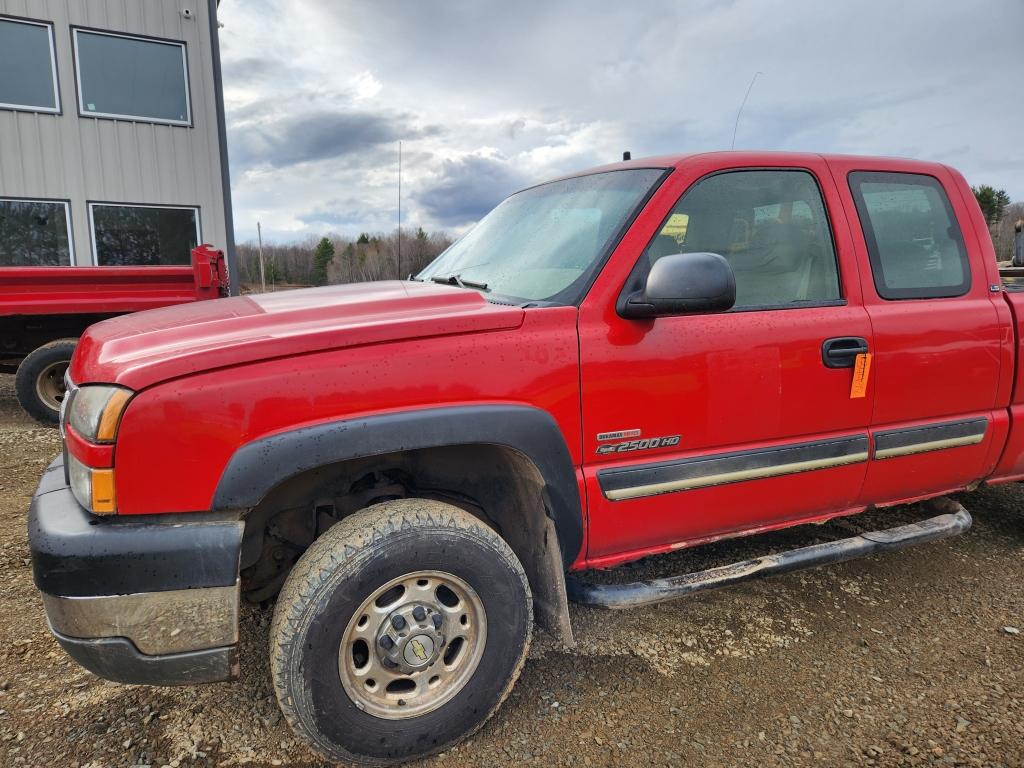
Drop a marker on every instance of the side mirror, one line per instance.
(682, 284)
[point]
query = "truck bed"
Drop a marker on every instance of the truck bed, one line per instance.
(1012, 278)
(96, 290)
(111, 290)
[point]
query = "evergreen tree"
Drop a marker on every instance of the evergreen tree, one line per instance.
(992, 201)
(323, 255)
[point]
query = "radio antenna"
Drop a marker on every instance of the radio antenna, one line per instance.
(740, 111)
(399, 210)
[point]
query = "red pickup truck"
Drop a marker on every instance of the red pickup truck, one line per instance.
(641, 357)
(43, 311)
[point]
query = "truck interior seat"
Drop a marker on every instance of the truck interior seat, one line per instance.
(776, 268)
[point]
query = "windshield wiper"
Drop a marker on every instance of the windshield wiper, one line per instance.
(457, 280)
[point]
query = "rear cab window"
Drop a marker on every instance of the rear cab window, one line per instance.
(912, 235)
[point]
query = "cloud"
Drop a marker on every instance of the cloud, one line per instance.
(340, 216)
(250, 69)
(366, 86)
(467, 188)
(322, 135)
(489, 96)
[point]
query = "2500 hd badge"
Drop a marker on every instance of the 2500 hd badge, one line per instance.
(639, 445)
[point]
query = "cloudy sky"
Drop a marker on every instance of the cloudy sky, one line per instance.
(489, 96)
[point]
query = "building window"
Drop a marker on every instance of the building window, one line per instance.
(142, 235)
(35, 233)
(131, 78)
(28, 66)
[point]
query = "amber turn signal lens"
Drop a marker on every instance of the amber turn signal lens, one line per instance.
(111, 416)
(103, 501)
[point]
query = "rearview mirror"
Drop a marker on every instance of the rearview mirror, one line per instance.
(683, 284)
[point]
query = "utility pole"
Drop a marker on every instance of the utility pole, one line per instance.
(399, 210)
(263, 275)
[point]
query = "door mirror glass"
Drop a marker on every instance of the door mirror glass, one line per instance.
(682, 284)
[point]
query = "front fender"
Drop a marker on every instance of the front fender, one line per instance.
(258, 467)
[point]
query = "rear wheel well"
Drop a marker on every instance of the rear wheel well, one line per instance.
(495, 483)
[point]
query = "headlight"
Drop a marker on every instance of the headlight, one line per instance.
(95, 411)
(94, 488)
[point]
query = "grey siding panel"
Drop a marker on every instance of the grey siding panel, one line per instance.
(85, 159)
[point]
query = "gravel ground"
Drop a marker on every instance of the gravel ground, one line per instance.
(911, 658)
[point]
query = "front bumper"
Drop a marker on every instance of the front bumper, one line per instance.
(136, 601)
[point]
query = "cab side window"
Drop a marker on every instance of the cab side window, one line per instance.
(772, 228)
(914, 243)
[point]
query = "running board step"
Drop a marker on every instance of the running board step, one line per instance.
(954, 521)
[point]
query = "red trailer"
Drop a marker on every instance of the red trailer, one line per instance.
(43, 311)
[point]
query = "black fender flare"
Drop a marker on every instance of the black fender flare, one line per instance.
(261, 465)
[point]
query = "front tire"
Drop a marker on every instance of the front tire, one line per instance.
(399, 632)
(39, 382)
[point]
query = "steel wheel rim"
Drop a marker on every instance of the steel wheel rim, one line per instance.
(50, 386)
(426, 660)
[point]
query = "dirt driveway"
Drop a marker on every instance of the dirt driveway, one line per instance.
(910, 658)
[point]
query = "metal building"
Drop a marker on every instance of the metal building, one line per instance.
(112, 137)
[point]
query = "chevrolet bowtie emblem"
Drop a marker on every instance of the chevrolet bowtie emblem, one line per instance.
(419, 650)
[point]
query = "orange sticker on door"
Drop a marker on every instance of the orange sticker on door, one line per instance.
(861, 371)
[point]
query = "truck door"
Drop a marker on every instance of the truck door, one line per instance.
(938, 338)
(699, 426)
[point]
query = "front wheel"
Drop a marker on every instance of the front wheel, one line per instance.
(399, 632)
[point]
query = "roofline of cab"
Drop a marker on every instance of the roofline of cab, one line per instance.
(747, 157)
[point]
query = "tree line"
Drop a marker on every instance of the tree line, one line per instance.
(1001, 215)
(337, 259)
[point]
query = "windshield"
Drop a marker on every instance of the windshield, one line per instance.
(542, 244)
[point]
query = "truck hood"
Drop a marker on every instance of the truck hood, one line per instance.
(145, 348)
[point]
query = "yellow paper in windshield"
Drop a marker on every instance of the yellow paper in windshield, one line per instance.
(676, 226)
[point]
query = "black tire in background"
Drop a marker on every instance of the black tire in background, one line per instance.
(39, 380)
(331, 582)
